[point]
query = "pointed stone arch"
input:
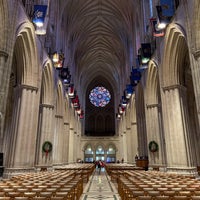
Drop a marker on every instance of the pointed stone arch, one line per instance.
(151, 90)
(175, 51)
(26, 55)
(47, 94)
(59, 99)
(178, 102)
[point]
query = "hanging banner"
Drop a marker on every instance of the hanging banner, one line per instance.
(39, 15)
(168, 8)
(135, 74)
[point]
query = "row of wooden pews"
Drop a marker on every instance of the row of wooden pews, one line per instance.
(64, 183)
(135, 184)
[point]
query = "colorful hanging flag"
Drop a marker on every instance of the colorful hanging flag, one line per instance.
(39, 15)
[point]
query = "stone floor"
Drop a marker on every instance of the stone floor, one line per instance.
(100, 187)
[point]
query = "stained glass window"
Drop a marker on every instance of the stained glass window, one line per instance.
(99, 96)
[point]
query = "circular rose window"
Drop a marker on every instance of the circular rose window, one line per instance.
(99, 96)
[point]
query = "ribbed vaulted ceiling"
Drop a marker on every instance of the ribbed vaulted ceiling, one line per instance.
(99, 42)
(99, 36)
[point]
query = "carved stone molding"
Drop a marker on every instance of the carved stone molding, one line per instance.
(59, 116)
(152, 105)
(46, 105)
(28, 87)
(66, 123)
(172, 87)
(133, 123)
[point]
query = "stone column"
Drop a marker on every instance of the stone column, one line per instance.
(58, 140)
(134, 140)
(3, 92)
(66, 143)
(154, 133)
(129, 146)
(23, 130)
(195, 69)
(124, 147)
(178, 146)
(142, 137)
(45, 133)
(71, 146)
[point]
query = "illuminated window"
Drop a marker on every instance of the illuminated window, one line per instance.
(100, 96)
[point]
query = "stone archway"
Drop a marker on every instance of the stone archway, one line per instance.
(154, 116)
(177, 98)
(46, 116)
(23, 98)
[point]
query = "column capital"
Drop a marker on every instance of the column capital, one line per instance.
(133, 123)
(172, 87)
(153, 105)
(46, 105)
(66, 123)
(28, 87)
(59, 116)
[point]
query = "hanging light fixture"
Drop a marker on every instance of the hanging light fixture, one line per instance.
(65, 76)
(55, 57)
(128, 91)
(165, 11)
(144, 53)
(121, 109)
(75, 102)
(58, 60)
(118, 116)
(81, 116)
(78, 110)
(155, 31)
(71, 91)
(124, 101)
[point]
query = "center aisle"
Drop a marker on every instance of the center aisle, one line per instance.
(100, 187)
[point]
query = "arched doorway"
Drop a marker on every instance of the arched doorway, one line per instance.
(100, 153)
(88, 154)
(111, 154)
